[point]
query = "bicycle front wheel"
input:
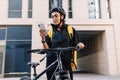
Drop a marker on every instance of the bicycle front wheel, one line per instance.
(63, 75)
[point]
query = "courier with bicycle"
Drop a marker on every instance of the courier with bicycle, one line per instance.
(61, 35)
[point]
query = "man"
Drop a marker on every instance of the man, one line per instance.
(60, 38)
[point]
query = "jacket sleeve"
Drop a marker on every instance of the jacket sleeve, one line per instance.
(48, 40)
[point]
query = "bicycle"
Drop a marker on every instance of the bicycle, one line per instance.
(59, 73)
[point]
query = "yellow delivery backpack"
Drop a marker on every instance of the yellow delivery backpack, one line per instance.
(74, 58)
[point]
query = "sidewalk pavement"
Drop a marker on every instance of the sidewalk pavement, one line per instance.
(95, 77)
(80, 76)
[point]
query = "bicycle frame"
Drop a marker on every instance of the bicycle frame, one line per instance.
(59, 67)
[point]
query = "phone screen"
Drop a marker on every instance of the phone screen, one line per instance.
(41, 26)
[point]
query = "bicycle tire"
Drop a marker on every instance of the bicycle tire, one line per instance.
(63, 75)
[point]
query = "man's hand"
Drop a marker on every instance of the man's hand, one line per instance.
(43, 33)
(81, 45)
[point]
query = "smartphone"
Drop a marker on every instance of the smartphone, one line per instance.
(41, 26)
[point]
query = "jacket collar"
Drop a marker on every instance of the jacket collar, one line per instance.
(56, 26)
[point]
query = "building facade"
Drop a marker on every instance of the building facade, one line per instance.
(97, 23)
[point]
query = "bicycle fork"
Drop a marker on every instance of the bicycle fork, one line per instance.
(61, 74)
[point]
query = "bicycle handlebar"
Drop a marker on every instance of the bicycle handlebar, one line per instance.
(42, 51)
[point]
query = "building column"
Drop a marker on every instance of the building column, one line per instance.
(116, 17)
(65, 6)
(80, 9)
(25, 9)
(103, 9)
(111, 51)
(4, 9)
(41, 9)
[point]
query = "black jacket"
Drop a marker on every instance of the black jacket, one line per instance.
(61, 39)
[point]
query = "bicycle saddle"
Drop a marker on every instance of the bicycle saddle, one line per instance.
(33, 64)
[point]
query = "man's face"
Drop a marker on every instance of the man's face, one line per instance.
(55, 18)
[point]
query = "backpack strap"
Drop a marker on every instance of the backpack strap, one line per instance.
(74, 52)
(50, 33)
(74, 60)
(70, 31)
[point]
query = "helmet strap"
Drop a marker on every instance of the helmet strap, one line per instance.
(61, 21)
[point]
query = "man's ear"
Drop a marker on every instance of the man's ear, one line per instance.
(62, 17)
